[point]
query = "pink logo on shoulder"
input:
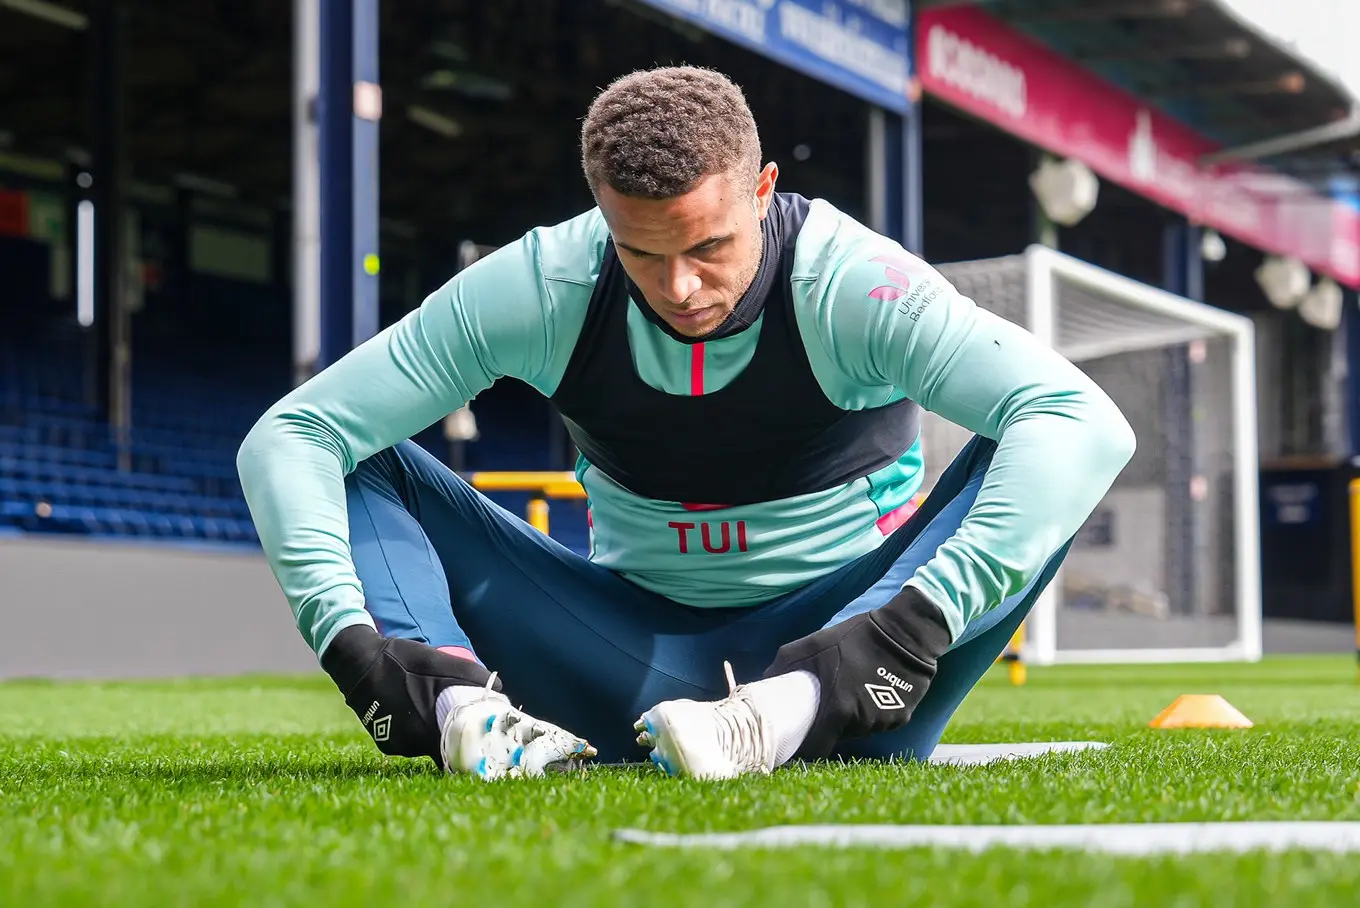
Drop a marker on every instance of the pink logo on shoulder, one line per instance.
(895, 271)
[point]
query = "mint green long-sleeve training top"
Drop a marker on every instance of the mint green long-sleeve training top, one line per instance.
(878, 323)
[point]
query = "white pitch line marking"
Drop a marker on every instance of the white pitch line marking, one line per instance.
(979, 754)
(1113, 838)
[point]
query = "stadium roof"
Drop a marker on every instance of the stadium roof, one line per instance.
(1202, 63)
(482, 101)
(210, 93)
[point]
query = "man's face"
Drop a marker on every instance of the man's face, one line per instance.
(693, 256)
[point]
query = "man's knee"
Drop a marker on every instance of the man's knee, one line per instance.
(915, 741)
(398, 471)
(387, 464)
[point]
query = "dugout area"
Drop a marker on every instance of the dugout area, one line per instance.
(183, 114)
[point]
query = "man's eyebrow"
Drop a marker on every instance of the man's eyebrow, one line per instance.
(708, 242)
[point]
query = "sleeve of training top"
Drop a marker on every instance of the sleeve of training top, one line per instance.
(491, 320)
(893, 320)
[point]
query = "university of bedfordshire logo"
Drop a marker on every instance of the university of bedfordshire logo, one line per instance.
(911, 299)
(894, 270)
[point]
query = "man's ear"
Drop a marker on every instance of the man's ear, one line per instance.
(765, 189)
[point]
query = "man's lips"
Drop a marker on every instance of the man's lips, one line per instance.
(691, 315)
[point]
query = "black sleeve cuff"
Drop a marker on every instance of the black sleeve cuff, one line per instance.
(915, 623)
(350, 655)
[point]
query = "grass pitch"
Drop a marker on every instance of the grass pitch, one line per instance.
(264, 792)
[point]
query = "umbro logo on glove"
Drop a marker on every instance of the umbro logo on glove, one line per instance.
(392, 685)
(890, 653)
(885, 697)
(883, 694)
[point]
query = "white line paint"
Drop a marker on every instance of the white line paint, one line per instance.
(981, 754)
(1120, 839)
(978, 754)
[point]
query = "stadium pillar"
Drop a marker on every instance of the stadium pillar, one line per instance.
(349, 104)
(1182, 274)
(108, 196)
(1350, 324)
(1182, 261)
(913, 204)
(306, 240)
(913, 161)
(894, 186)
(889, 180)
(368, 111)
(875, 166)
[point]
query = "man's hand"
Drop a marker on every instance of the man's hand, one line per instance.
(392, 684)
(873, 668)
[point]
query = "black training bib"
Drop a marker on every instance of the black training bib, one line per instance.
(771, 433)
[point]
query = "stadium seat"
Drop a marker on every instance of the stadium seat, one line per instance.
(24, 450)
(59, 464)
(92, 476)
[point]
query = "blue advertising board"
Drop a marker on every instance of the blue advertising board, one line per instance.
(860, 46)
(1295, 499)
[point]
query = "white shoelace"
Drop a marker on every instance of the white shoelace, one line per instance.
(740, 732)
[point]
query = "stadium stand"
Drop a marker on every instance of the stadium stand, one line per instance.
(59, 463)
(199, 381)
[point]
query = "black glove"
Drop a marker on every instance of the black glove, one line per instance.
(392, 684)
(874, 669)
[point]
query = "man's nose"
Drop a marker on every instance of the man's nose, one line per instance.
(679, 282)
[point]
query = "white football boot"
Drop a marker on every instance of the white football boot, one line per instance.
(488, 737)
(722, 739)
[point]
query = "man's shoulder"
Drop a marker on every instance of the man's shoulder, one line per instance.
(831, 240)
(570, 251)
(834, 247)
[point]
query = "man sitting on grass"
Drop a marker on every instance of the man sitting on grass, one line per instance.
(743, 372)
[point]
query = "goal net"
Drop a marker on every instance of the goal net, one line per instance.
(1167, 567)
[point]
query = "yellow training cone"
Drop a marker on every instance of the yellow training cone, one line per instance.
(1200, 711)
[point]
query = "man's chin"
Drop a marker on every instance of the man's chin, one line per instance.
(706, 323)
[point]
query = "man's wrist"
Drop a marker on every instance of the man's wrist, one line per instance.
(350, 655)
(915, 623)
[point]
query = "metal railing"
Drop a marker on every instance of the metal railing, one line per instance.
(542, 484)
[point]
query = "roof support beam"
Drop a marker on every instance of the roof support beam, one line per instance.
(1228, 49)
(1104, 12)
(1343, 129)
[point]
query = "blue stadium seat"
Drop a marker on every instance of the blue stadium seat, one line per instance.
(25, 450)
(97, 476)
(190, 410)
(124, 521)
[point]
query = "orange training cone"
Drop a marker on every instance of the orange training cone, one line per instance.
(1200, 711)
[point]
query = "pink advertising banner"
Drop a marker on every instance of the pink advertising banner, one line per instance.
(976, 63)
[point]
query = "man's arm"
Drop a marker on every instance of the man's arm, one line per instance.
(892, 322)
(1061, 441)
(491, 320)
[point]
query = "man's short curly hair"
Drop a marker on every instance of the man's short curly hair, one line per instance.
(656, 133)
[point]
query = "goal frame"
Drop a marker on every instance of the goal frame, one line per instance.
(1044, 265)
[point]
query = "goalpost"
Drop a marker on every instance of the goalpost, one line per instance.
(1168, 566)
